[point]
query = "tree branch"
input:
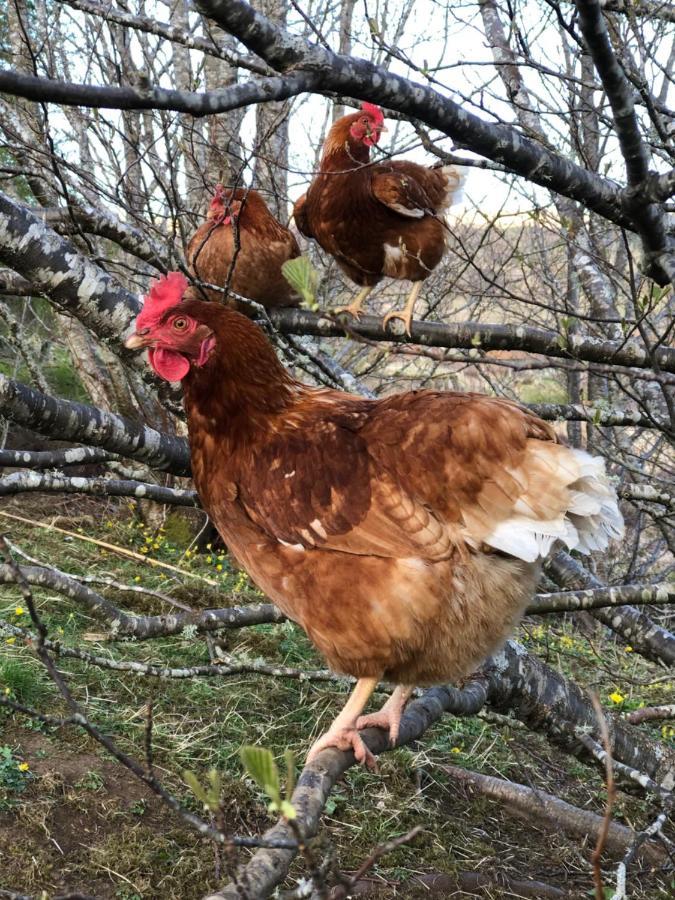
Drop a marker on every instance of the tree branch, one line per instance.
(637, 629)
(28, 482)
(476, 335)
(168, 31)
(571, 601)
(206, 103)
(648, 216)
(65, 420)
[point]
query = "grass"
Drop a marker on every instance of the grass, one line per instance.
(116, 840)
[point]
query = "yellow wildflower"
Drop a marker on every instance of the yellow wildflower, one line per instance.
(209, 546)
(19, 611)
(8, 691)
(456, 750)
(11, 640)
(209, 559)
(219, 568)
(629, 649)
(616, 697)
(566, 641)
(23, 767)
(137, 578)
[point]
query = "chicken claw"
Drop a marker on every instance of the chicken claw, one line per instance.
(406, 314)
(389, 717)
(343, 732)
(354, 308)
(344, 739)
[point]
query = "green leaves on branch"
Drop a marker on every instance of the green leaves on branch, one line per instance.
(260, 765)
(208, 795)
(302, 277)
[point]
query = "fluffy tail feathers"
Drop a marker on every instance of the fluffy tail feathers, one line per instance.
(567, 497)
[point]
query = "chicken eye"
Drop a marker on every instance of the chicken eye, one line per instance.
(179, 324)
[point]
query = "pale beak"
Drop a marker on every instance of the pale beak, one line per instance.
(135, 341)
(382, 128)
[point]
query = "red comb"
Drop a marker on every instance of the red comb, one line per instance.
(373, 111)
(217, 201)
(163, 294)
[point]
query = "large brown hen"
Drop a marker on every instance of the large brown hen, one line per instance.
(242, 246)
(403, 534)
(377, 219)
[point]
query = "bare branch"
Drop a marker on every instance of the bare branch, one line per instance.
(67, 421)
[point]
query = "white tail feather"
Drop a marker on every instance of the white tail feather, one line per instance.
(589, 521)
(457, 176)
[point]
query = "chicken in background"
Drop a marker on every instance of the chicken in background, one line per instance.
(380, 219)
(243, 242)
(404, 534)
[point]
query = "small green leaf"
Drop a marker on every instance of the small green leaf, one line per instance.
(195, 786)
(302, 276)
(260, 765)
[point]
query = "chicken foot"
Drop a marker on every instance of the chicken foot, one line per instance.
(354, 308)
(343, 733)
(390, 715)
(405, 315)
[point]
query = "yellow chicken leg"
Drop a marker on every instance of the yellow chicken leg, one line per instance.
(405, 314)
(354, 308)
(343, 733)
(389, 716)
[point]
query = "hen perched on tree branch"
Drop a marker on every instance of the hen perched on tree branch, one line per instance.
(403, 534)
(377, 219)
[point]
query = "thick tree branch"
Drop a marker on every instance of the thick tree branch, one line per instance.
(142, 627)
(51, 459)
(207, 103)
(104, 224)
(571, 601)
(553, 812)
(656, 10)
(28, 482)
(472, 335)
(648, 216)
(64, 420)
(59, 270)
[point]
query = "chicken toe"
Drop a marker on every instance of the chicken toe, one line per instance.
(354, 308)
(406, 314)
(343, 732)
(389, 717)
(344, 739)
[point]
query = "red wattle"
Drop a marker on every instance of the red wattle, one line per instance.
(169, 364)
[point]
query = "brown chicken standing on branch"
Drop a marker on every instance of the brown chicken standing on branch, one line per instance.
(377, 219)
(403, 534)
(242, 246)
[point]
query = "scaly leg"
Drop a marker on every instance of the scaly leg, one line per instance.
(390, 714)
(405, 314)
(354, 308)
(343, 733)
